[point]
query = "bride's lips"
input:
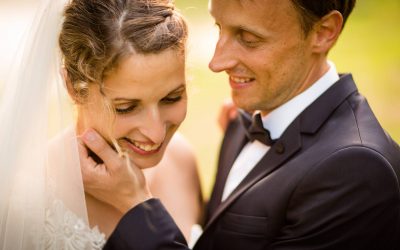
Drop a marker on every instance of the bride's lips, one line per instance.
(145, 152)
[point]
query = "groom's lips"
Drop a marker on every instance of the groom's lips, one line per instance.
(140, 151)
(240, 82)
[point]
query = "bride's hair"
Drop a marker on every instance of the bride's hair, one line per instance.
(97, 34)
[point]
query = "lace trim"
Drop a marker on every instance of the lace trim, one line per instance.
(65, 230)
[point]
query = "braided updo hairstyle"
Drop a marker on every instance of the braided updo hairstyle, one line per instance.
(97, 34)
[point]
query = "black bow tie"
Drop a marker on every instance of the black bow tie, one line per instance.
(255, 129)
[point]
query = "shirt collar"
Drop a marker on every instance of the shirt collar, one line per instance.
(280, 118)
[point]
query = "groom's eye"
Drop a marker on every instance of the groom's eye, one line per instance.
(248, 39)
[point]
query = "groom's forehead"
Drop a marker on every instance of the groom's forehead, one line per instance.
(220, 5)
(258, 11)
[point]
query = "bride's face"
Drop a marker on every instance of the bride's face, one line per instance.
(148, 96)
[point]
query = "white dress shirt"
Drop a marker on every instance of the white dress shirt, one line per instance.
(276, 122)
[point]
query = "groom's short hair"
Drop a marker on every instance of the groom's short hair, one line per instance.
(311, 11)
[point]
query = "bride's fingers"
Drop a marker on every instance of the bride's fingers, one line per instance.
(102, 149)
(88, 166)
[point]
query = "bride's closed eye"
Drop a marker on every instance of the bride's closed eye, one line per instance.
(172, 98)
(125, 110)
(131, 108)
(124, 106)
(175, 96)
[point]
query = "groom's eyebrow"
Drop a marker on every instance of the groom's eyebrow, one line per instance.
(181, 88)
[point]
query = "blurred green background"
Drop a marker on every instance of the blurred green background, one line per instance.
(369, 48)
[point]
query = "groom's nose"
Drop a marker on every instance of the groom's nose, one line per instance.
(224, 55)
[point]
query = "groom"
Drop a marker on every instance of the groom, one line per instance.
(324, 176)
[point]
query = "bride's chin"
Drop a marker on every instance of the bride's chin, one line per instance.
(146, 165)
(147, 162)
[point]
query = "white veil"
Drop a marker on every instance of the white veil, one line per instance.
(42, 203)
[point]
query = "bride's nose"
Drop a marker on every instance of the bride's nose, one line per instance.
(153, 126)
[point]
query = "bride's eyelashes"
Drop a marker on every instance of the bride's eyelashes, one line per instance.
(170, 100)
(125, 109)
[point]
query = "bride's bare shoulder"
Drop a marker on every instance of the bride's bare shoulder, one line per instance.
(175, 181)
(179, 161)
(180, 150)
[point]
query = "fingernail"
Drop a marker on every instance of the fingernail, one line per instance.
(90, 136)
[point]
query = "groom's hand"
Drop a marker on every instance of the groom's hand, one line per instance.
(227, 113)
(116, 181)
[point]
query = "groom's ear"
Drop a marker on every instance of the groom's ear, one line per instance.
(327, 31)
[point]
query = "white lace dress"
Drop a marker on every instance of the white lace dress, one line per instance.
(66, 231)
(66, 223)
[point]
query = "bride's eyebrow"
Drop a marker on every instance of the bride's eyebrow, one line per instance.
(180, 89)
(118, 101)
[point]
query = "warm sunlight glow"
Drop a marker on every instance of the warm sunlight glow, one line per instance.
(14, 20)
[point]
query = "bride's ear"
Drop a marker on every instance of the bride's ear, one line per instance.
(70, 87)
(67, 82)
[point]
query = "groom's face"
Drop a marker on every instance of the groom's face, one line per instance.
(263, 49)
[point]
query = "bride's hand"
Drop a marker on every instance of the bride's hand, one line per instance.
(117, 181)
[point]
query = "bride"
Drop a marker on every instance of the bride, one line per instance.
(123, 65)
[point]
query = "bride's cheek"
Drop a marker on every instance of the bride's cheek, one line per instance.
(177, 113)
(123, 125)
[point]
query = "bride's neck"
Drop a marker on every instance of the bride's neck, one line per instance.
(102, 215)
(80, 126)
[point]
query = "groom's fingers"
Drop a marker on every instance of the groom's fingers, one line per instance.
(102, 149)
(227, 113)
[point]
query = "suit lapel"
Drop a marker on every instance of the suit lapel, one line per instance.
(233, 143)
(309, 121)
(282, 150)
(319, 111)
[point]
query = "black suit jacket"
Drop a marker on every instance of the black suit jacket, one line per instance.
(330, 182)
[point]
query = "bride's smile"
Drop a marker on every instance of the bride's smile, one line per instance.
(144, 102)
(142, 148)
(123, 65)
